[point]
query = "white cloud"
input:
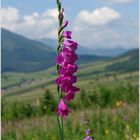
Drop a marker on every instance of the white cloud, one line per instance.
(105, 38)
(91, 29)
(34, 26)
(99, 16)
(53, 13)
(9, 14)
(103, 27)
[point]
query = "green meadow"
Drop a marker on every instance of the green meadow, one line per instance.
(107, 103)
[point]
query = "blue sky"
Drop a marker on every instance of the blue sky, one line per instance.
(95, 23)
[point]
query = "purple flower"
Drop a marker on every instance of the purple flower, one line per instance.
(67, 34)
(65, 58)
(68, 70)
(66, 80)
(87, 138)
(70, 96)
(62, 109)
(71, 44)
(87, 131)
(68, 49)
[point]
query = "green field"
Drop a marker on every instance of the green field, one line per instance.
(107, 101)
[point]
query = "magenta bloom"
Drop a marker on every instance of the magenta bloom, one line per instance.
(71, 93)
(66, 84)
(65, 58)
(70, 96)
(66, 80)
(71, 44)
(67, 34)
(62, 109)
(66, 61)
(70, 69)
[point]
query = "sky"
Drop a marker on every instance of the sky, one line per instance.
(94, 23)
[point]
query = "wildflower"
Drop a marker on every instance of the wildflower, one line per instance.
(63, 80)
(64, 58)
(69, 96)
(87, 131)
(66, 68)
(69, 70)
(62, 109)
(88, 135)
(87, 138)
(70, 44)
(118, 103)
(67, 34)
(66, 61)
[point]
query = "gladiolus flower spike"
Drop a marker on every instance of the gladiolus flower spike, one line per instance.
(66, 66)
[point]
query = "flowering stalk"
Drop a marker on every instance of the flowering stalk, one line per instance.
(66, 68)
(88, 131)
(88, 135)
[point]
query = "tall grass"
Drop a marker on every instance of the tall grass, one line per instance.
(111, 112)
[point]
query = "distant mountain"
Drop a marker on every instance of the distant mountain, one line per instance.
(110, 51)
(53, 43)
(89, 51)
(50, 42)
(127, 62)
(24, 55)
(20, 54)
(91, 58)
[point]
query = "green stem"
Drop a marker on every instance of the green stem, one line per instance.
(60, 123)
(62, 128)
(58, 94)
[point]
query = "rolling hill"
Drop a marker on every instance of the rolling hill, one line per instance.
(86, 71)
(20, 54)
(130, 63)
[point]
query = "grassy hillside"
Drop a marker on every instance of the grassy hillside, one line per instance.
(88, 69)
(28, 82)
(130, 64)
(20, 54)
(24, 55)
(106, 98)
